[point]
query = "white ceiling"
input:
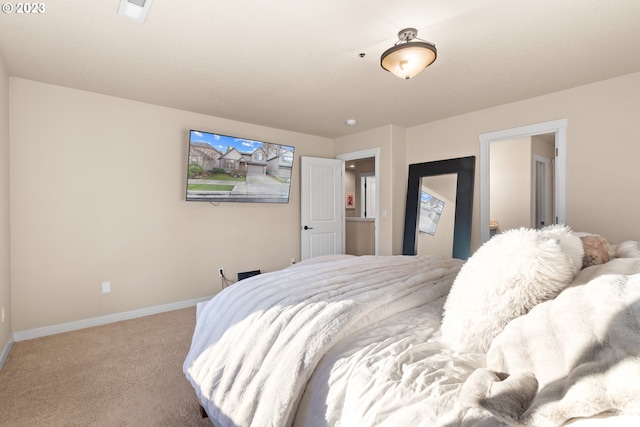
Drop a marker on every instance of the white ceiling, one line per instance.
(295, 64)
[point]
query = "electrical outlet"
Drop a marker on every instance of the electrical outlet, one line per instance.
(106, 287)
(220, 271)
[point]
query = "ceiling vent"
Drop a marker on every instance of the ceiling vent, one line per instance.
(134, 9)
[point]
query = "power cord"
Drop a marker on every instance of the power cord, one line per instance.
(226, 282)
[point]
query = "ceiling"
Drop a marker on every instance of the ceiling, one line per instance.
(296, 64)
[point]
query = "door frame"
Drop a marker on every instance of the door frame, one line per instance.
(364, 154)
(559, 128)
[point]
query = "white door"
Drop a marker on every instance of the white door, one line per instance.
(322, 206)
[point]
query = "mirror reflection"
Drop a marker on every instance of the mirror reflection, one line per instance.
(437, 214)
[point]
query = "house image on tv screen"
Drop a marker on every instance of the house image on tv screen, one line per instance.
(224, 168)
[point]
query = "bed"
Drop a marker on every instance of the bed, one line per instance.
(395, 340)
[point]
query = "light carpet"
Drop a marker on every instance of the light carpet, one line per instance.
(127, 373)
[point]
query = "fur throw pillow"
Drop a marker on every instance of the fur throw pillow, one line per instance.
(504, 279)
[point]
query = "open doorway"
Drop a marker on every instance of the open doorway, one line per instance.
(361, 202)
(556, 130)
(521, 183)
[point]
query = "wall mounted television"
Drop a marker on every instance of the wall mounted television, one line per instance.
(224, 168)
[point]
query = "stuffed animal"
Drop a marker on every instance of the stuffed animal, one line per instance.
(596, 250)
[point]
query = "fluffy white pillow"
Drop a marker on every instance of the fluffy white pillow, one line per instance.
(504, 279)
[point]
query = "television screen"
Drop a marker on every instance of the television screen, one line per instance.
(225, 168)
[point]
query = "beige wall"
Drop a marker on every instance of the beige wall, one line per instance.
(510, 183)
(399, 176)
(360, 236)
(5, 257)
(603, 147)
(97, 194)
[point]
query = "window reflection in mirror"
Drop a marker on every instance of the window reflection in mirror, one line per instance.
(437, 214)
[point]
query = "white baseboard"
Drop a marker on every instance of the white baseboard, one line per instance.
(102, 320)
(5, 352)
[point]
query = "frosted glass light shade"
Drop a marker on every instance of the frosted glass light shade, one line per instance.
(407, 60)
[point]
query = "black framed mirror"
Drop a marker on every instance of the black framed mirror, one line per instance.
(464, 169)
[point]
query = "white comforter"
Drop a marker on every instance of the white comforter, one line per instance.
(393, 373)
(575, 356)
(257, 343)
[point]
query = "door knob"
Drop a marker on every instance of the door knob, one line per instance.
(306, 227)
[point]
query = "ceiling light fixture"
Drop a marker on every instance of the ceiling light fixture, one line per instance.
(407, 58)
(134, 9)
